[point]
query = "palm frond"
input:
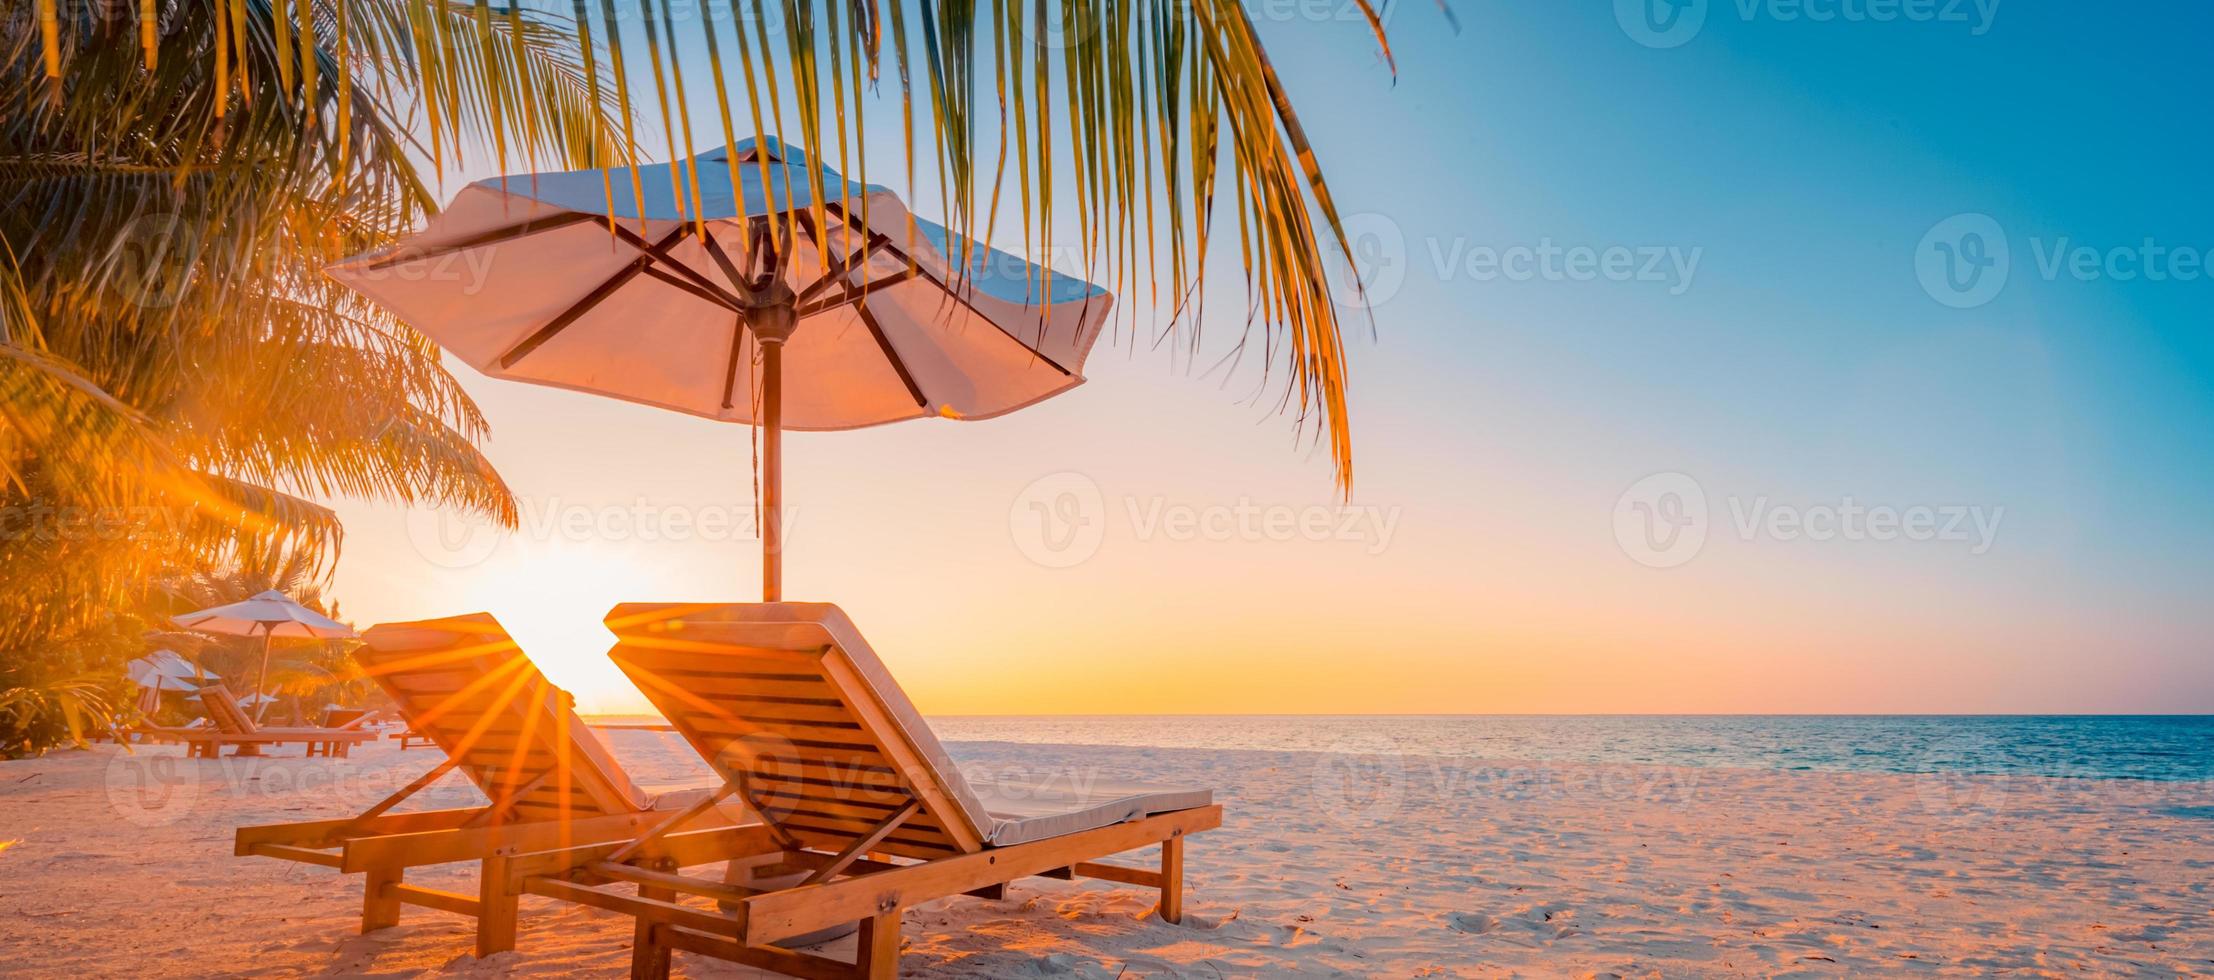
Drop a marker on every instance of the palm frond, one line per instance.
(1122, 115)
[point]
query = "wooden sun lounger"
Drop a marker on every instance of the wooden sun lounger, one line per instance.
(231, 724)
(464, 684)
(861, 813)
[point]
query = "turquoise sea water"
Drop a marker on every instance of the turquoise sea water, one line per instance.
(2157, 747)
(2170, 747)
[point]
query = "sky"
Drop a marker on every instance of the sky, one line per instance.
(1729, 356)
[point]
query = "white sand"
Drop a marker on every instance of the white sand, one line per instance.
(1426, 867)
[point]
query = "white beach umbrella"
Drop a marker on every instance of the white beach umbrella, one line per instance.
(794, 310)
(268, 615)
(165, 670)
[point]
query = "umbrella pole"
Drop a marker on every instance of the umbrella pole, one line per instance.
(772, 472)
(261, 680)
(772, 323)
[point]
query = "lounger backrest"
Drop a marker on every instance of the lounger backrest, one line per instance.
(230, 717)
(788, 701)
(464, 683)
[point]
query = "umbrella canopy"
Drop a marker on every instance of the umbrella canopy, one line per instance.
(521, 277)
(164, 670)
(268, 615)
(759, 301)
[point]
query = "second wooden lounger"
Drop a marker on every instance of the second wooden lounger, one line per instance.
(862, 813)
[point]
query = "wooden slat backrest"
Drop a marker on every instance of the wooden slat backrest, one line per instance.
(787, 700)
(225, 712)
(464, 683)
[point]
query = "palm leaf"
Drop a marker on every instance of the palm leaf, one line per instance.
(1124, 126)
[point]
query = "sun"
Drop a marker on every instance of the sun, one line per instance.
(551, 595)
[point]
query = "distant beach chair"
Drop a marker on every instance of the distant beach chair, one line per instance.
(464, 684)
(229, 723)
(862, 813)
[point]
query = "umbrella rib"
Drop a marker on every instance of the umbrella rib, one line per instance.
(493, 237)
(582, 306)
(682, 283)
(891, 354)
(845, 267)
(737, 279)
(856, 293)
(851, 295)
(661, 254)
(931, 278)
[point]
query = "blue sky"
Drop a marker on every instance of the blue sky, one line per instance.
(1779, 178)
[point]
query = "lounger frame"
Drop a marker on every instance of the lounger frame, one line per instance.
(871, 891)
(464, 685)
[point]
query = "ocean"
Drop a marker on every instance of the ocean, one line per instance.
(2154, 747)
(2159, 747)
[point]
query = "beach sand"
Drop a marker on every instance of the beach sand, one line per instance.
(1327, 864)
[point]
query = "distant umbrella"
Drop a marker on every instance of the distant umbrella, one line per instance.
(164, 670)
(855, 312)
(269, 615)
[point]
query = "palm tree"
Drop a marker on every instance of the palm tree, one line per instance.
(1126, 112)
(175, 372)
(175, 173)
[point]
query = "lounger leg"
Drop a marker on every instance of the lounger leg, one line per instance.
(497, 911)
(379, 910)
(878, 954)
(1172, 880)
(649, 960)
